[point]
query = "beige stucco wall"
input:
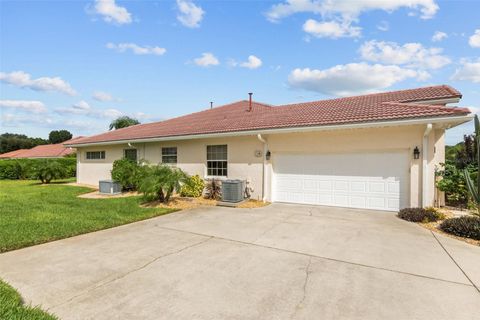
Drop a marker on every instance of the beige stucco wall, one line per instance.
(243, 164)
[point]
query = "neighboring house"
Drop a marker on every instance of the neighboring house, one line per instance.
(58, 150)
(376, 151)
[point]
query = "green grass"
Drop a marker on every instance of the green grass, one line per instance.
(31, 213)
(12, 307)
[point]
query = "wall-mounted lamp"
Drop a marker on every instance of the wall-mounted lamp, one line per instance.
(416, 153)
(267, 155)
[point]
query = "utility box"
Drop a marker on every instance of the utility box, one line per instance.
(233, 190)
(109, 187)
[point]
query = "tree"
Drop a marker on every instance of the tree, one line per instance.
(474, 189)
(12, 141)
(123, 122)
(58, 136)
(158, 182)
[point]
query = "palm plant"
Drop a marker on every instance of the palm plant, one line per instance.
(123, 122)
(159, 182)
(47, 170)
(474, 189)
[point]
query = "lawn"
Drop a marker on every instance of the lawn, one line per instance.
(31, 213)
(12, 307)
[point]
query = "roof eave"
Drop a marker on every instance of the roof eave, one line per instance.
(450, 121)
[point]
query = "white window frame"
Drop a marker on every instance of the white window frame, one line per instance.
(170, 155)
(102, 155)
(208, 175)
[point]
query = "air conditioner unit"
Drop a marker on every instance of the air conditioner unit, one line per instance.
(233, 190)
(109, 187)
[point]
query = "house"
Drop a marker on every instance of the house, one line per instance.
(376, 151)
(58, 150)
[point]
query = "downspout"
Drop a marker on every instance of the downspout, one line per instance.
(265, 149)
(425, 165)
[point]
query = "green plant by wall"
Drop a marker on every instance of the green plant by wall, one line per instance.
(126, 172)
(465, 226)
(159, 182)
(453, 184)
(193, 187)
(213, 189)
(474, 188)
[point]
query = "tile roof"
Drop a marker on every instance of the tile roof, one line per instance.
(43, 151)
(395, 105)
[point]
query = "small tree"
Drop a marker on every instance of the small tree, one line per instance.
(123, 122)
(59, 136)
(158, 182)
(47, 170)
(473, 189)
(126, 172)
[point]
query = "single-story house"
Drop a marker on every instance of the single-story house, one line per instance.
(376, 151)
(58, 150)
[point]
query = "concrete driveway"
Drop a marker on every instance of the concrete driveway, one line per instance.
(277, 262)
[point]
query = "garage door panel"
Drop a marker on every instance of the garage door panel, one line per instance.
(369, 180)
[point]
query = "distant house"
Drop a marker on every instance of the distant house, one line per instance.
(58, 150)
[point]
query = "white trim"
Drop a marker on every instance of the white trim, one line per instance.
(456, 120)
(437, 101)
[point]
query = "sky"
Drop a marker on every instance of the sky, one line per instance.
(77, 65)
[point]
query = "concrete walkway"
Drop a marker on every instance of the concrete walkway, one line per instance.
(276, 262)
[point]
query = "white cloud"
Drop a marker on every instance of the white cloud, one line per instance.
(331, 29)
(111, 12)
(410, 54)
(439, 36)
(136, 49)
(207, 59)
(83, 108)
(15, 120)
(383, 26)
(103, 96)
(253, 62)
(348, 9)
(24, 80)
(190, 14)
(469, 71)
(350, 79)
(474, 40)
(25, 105)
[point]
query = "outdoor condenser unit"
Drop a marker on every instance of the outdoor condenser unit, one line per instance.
(233, 190)
(109, 187)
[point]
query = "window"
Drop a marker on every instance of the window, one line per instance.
(95, 155)
(130, 154)
(169, 155)
(217, 160)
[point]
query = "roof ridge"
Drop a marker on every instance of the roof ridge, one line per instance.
(447, 87)
(431, 106)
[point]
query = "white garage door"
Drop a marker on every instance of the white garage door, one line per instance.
(357, 180)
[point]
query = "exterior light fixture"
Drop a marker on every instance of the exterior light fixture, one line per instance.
(267, 155)
(416, 153)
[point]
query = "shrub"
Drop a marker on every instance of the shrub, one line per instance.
(26, 168)
(193, 187)
(46, 170)
(158, 182)
(465, 226)
(126, 172)
(453, 184)
(213, 190)
(420, 214)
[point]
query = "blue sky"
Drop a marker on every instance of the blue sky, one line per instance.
(76, 65)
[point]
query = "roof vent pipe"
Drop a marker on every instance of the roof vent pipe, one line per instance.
(211, 104)
(250, 101)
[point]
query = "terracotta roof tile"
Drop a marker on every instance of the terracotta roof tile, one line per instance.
(234, 117)
(43, 151)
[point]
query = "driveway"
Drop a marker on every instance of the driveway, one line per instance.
(277, 262)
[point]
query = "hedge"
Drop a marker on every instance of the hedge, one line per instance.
(13, 169)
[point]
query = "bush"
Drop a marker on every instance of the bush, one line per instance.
(14, 169)
(158, 182)
(47, 170)
(420, 214)
(213, 190)
(193, 187)
(126, 172)
(465, 226)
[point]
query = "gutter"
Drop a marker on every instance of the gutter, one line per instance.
(264, 171)
(375, 124)
(426, 134)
